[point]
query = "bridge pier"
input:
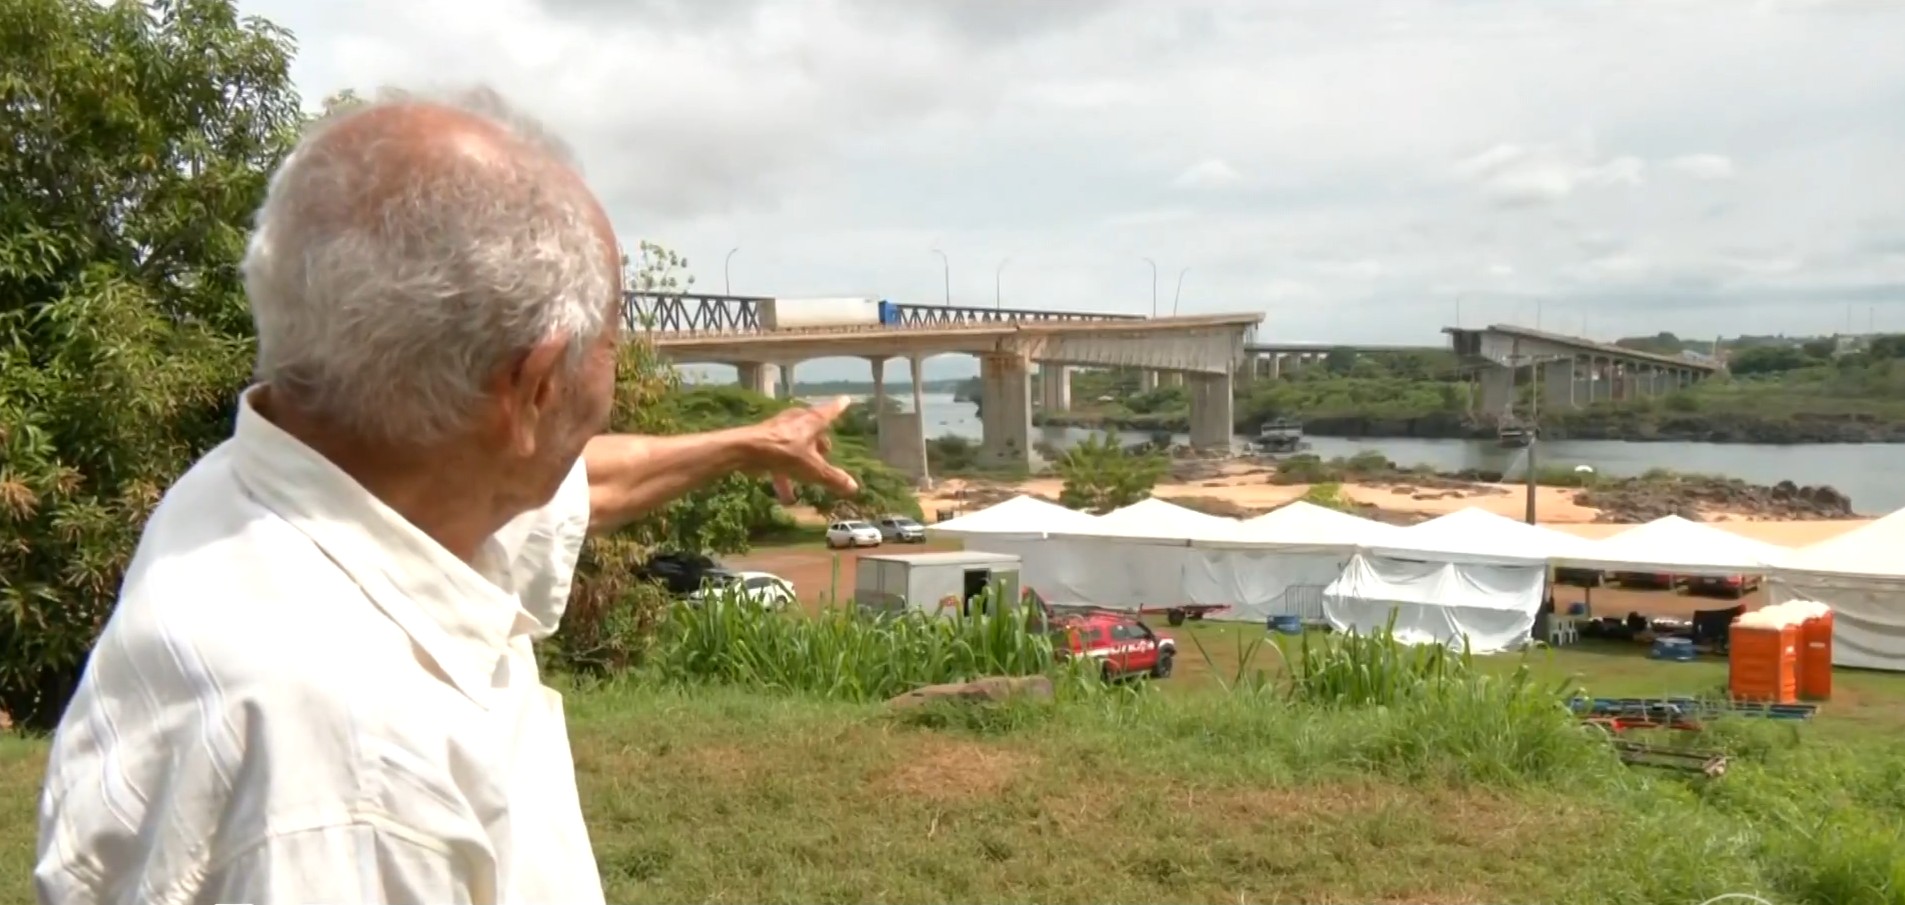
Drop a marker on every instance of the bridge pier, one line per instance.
(1055, 387)
(1147, 381)
(1005, 411)
(1558, 384)
(1498, 391)
(786, 370)
(757, 377)
(1213, 413)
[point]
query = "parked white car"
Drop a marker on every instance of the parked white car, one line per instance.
(764, 589)
(852, 534)
(901, 530)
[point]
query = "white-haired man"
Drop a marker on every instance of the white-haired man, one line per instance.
(318, 683)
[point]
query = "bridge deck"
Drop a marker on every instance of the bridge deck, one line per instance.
(1586, 345)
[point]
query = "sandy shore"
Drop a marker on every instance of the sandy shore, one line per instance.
(1554, 506)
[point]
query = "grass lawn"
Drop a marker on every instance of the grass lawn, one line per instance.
(1192, 794)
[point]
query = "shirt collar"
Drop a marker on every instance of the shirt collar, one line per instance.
(461, 619)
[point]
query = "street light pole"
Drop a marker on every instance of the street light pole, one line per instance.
(727, 284)
(998, 277)
(1179, 294)
(1154, 286)
(945, 267)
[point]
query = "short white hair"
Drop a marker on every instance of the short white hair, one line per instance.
(386, 293)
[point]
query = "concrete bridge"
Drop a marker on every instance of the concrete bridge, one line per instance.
(1203, 350)
(1568, 371)
(1268, 359)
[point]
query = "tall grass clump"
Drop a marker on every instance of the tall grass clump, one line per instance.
(843, 653)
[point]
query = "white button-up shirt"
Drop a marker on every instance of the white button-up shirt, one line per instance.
(302, 698)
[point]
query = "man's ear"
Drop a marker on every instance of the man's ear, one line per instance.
(528, 392)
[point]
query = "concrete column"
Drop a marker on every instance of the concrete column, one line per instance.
(1213, 417)
(1005, 411)
(1147, 381)
(757, 377)
(1055, 387)
(916, 438)
(1557, 384)
(1498, 391)
(786, 370)
(879, 384)
(1171, 378)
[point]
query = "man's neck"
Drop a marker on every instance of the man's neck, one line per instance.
(437, 491)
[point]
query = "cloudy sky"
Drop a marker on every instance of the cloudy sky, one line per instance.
(1356, 170)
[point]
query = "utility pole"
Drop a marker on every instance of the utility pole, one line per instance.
(727, 285)
(1154, 286)
(1534, 435)
(998, 282)
(1179, 294)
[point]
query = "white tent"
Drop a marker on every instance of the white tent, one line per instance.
(1140, 555)
(1152, 519)
(1021, 516)
(1307, 526)
(1861, 576)
(1478, 536)
(1674, 545)
(1470, 578)
(1022, 526)
(1290, 555)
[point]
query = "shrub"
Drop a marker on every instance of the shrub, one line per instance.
(843, 653)
(1101, 476)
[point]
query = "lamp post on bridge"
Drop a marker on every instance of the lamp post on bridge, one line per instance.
(727, 284)
(945, 268)
(998, 292)
(1154, 286)
(1179, 294)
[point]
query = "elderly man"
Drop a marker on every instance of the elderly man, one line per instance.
(318, 683)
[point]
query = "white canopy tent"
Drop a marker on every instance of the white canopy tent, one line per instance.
(1023, 526)
(1470, 578)
(1861, 576)
(1674, 545)
(1141, 555)
(1288, 556)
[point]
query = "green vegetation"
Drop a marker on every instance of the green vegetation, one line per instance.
(1776, 392)
(1101, 476)
(844, 655)
(731, 754)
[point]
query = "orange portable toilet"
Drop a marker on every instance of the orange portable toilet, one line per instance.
(1815, 650)
(1763, 656)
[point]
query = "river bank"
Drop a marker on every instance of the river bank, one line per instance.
(1625, 425)
(1243, 489)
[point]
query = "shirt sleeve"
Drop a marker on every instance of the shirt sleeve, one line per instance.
(542, 547)
(355, 862)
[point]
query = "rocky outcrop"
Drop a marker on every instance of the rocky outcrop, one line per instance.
(991, 689)
(1633, 500)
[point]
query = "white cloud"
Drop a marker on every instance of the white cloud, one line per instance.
(1209, 173)
(1703, 166)
(1376, 159)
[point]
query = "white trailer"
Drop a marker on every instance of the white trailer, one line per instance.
(935, 583)
(802, 314)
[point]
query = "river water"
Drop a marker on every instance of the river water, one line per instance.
(1862, 471)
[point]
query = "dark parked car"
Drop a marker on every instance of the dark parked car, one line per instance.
(682, 573)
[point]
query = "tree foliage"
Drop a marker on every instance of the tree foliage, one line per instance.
(135, 141)
(1101, 476)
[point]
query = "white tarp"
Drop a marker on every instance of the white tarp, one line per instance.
(1021, 516)
(1677, 546)
(1060, 571)
(1487, 608)
(1302, 526)
(1152, 519)
(1861, 576)
(1480, 537)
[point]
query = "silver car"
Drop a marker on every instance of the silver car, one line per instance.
(899, 529)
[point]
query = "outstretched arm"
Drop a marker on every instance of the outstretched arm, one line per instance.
(631, 476)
